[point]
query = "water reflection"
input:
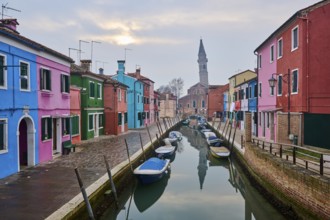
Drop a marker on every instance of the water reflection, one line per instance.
(220, 192)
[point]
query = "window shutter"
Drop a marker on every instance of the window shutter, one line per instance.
(67, 121)
(49, 124)
(62, 79)
(67, 84)
(2, 144)
(43, 128)
(49, 81)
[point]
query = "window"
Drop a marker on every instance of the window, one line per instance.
(3, 72)
(24, 76)
(294, 38)
(119, 119)
(203, 104)
(271, 90)
(45, 79)
(125, 119)
(267, 119)
(279, 85)
(138, 99)
(188, 105)
(100, 120)
(46, 128)
(65, 126)
(65, 84)
(91, 90)
(272, 53)
(90, 122)
(3, 134)
(260, 118)
(250, 91)
(294, 85)
(194, 104)
(259, 89)
(75, 125)
(259, 61)
(99, 91)
(247, 92)
(256, 90)
(280, 48)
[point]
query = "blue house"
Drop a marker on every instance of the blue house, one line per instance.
(135, 96)
(253, 103)
(19, 105)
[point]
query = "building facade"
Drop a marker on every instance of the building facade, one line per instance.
(75, 114)
(216, 100)
(167, 105)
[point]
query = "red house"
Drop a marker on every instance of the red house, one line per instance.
(115, 107)
(302, 77)
(215, 100)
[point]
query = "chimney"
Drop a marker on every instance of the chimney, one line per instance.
(101, 70)
(138, 72)
(9, 24)
(86, 64)
(121, 67)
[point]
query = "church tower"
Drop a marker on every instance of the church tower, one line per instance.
(202, 62)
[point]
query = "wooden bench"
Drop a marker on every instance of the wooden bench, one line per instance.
(67, 146)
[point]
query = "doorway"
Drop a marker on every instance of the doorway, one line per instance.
(26, 142)
(56, 136)
(23, 148)
(96, 125)
(122, 122)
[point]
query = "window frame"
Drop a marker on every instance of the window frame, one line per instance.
(65, 83)
(72, 125)
(46, 132)
(99, 91)
(45, 79)
(280, 85)
(259, 61)
(89, 122)
(66, 126)
(4, 86)
(101, 120)
(260, 89)
(119, 94)
(91, 90)
(272, 53)
(280, 48)
(295, 38)
(5, 136)
(294, 81)
(28, 79)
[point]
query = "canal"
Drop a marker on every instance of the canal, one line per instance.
(198, 187)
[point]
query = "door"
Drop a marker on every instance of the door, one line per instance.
(122, 122)
(96, 125)
(23, 144)
(54, 136)
(272, 126)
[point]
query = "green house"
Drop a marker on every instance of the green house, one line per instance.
(92, 104)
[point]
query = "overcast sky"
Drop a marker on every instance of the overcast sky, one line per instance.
(161, 36)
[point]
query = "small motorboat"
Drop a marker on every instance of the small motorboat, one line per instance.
(220, 152)
(174, 136)
(165, 151)
(152, 170)
(214, 141)
(209, 134)
(186, 122)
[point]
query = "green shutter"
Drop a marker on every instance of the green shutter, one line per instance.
(43, 128)
(62, 78)
(2, 134)
(49, 124)
(125, 117)
(90, 122)
(41, 80)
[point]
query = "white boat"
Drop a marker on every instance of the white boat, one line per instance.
(220, 152)
(167, 150)
(174, 136)
(209, 134)
(213, 140)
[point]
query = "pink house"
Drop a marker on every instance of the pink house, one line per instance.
(267, 60)
(54, 104)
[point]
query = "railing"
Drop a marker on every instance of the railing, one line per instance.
(312, 160)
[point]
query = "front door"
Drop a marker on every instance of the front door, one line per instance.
(23, 144)
(54, 136)
(96, 125)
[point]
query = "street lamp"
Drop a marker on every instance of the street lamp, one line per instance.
(272, 81)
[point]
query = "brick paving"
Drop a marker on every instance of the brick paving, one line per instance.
(36, 192)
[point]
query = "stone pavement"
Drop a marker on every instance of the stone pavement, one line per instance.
(36, 192)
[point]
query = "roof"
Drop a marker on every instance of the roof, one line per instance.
(75, 69)
(247, 81)
(135, 75)
(14, 35)
(201, 51)
(241, 73)
(299, 13)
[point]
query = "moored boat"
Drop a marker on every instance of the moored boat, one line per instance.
(220, 152)
(165, 151)
(152, 170)
(174, 136)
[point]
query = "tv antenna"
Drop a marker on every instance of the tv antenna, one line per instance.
(5, 7)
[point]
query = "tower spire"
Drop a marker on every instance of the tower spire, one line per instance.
(202, 62)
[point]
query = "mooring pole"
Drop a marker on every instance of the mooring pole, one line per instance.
(129, 159)
(152, 144)
(142, 147)
(158, 127)
(83, 191)
(113, 187)
(158, 139)
(232, 143)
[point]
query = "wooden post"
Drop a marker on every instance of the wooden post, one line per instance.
(152, 144)
(281, 151)
(232, 143)
(83, 191)
(165, 124)
(144, 155)
(158, 139)
(129, 159)
(219, 125)
(113, 187)
(294, 155)
(321, 165)
(158, 127)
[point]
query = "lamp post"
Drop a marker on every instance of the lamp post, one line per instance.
(272, 82)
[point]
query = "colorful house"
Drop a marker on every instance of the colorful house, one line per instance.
(115, 107)
(75, 114)
(148, 96)
(215, 100)
(134, 96)
(300, 80)
(225, 105)
(92, 104)
(252, 96)
(25, 92)
(156, 108)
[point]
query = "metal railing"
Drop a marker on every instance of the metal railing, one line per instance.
(312, 160)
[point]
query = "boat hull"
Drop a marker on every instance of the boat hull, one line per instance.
(220, 152)
(152, 170)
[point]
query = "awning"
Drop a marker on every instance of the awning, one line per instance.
(272, 110)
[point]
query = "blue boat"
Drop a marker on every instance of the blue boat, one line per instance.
(152, 170)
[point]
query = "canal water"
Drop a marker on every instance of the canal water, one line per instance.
(198, 187)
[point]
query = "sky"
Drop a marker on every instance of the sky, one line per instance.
(159, 36)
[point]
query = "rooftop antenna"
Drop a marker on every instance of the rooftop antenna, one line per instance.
(126, 49)
(4, 7)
